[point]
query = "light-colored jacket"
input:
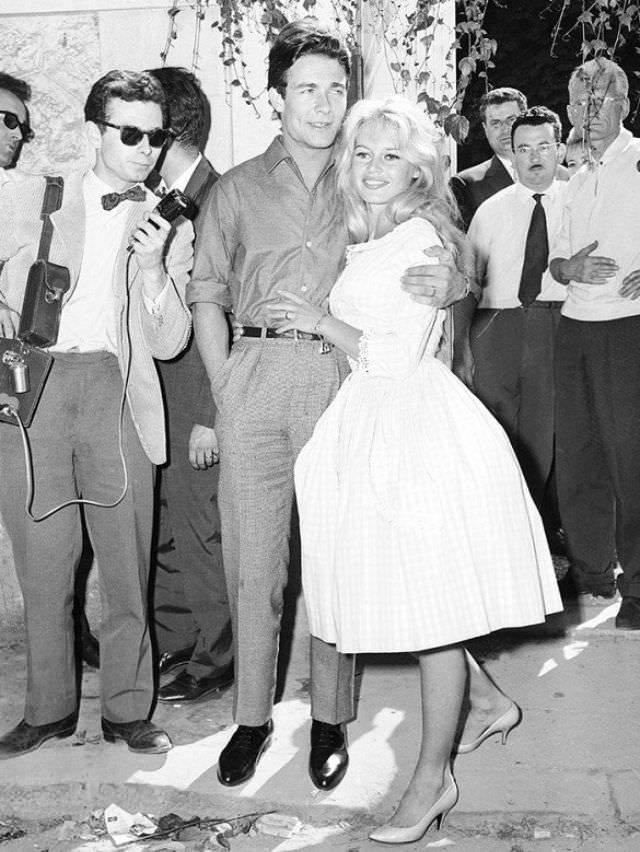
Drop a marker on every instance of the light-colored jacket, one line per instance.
(141, 335)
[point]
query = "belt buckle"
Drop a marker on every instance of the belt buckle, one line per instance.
(325, 347)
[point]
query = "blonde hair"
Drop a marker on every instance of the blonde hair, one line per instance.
(428, 196)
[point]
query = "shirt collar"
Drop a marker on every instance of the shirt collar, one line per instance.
(508, 166)
(524, 193)
(94, 188)
(617, 146)
(277, 153)
(182, 181)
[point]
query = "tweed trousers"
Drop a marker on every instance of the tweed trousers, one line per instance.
(75, 452)
(269, 394)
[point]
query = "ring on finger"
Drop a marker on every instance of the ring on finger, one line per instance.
(288, 315)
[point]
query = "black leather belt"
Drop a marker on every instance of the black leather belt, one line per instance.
(259, 331)
(538, 304)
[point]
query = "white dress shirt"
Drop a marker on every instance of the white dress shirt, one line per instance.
(88, 320)
(603, 204)
(498, 233)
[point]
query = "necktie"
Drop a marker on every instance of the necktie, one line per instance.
(536, 254)
(112, 199)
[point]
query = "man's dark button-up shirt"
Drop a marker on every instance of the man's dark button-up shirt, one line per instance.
(263, 231)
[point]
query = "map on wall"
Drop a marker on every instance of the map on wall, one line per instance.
(59, 56)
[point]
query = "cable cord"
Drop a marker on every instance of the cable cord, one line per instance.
(28, 458)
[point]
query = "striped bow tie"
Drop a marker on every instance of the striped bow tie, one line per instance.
(112, 199)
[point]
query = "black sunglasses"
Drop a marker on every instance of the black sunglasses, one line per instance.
(11, 121)
(130, 135)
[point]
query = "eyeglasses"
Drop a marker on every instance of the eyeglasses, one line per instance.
(130, 135)
(544, 149)
(595, 103)
(11, 121)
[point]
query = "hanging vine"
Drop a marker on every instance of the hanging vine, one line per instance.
(407, 34)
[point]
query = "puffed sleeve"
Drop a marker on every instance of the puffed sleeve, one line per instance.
(409, 327)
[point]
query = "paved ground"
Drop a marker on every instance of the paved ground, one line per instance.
(568, 778)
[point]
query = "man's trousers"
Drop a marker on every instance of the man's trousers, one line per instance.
(191, 608)
(74, 440)
(598, 449)
(513, 350)
(269, 394)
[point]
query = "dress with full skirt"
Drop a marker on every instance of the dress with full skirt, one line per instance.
(417, 527)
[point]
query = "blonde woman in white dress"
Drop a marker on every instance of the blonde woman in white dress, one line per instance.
(417, 528)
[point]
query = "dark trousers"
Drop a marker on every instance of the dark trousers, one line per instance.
(598, 449)
(513, 350)
(191, 608)
(74, 445)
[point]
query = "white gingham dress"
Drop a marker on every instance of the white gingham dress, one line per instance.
(417, 527)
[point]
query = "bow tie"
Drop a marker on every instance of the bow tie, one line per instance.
(112, 199)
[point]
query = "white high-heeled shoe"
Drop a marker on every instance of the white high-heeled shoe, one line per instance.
(502, 725)
(438, 812)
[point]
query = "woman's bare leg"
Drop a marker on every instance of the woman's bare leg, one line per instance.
(486, 702)
(443, 676)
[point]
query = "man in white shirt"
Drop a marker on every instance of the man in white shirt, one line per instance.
(98, 428)
(191, 608)
(513, 333)
(596, 257)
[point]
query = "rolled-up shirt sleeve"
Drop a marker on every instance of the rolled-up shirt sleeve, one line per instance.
(214, 252)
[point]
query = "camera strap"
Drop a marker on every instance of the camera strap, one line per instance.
(52, 201)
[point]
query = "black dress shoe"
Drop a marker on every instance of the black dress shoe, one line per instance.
(329, 758)
(185, 687)
(25, 737)
(628, 617)
(170, 660)
(238, 759)
(141, 736)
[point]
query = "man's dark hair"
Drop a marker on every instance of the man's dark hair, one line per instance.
(127, 86)
(20, 88)
(503, 95)
(536, 116)
(186, 102)
(303, 38)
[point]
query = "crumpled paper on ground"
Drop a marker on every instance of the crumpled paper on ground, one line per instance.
(124, 827)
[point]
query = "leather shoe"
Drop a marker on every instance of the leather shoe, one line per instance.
(141, 736)
(171, 660)
(239, 758)
(329, 758)
(186, 687)
(25, 737)
(628, 617)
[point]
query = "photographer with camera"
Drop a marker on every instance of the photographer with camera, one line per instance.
(98, 428)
